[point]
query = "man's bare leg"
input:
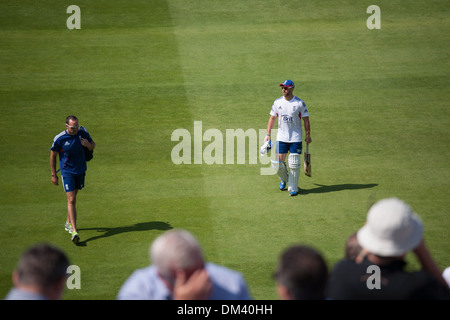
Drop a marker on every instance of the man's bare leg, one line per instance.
(71, 209)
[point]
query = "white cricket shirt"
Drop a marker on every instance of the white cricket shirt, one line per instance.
(289, 115)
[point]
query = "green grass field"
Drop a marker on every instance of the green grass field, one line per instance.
(138, 70)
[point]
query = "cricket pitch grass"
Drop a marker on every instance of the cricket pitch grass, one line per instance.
(136, 71)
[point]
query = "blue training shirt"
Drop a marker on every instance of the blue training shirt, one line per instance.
(71, 153)
(146, 284)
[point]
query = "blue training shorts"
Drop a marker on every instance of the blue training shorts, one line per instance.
(72, 182)
(292, 147)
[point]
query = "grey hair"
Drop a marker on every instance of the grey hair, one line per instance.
(173, 250)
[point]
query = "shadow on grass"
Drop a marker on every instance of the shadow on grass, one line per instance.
(108, 232)
(337, 187)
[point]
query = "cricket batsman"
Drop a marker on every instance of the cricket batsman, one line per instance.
(290, 110)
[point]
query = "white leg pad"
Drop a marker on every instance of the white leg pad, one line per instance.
(281, 170)
(294, 171)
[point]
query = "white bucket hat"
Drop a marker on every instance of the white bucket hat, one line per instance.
(392, 229)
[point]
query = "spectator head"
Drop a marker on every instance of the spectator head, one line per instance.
(301, 274)
(43, 269)
(392, 229)
(176, 250)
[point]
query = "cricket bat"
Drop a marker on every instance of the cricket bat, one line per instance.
(307, 161)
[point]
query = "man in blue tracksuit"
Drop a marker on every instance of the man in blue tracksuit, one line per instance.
(70, 144)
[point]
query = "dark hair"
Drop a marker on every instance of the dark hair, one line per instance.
(304, 273)
(73, 118)
(352, 247)
(42, 265)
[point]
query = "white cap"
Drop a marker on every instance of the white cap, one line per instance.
(392, 229)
